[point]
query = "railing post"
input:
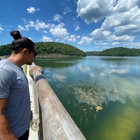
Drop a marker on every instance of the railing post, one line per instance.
(57, 123)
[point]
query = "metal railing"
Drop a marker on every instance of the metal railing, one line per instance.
(55, 122)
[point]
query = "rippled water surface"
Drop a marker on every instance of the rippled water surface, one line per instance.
(102, 94)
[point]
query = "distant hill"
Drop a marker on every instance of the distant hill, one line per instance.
(118, 51)
(5, 50)
(49, 49)
(60, 49)
(92, 53)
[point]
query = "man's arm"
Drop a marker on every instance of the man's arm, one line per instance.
(5, 129)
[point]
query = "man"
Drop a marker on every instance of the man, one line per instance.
(15, 110)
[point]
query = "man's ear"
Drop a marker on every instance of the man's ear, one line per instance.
(24, 51)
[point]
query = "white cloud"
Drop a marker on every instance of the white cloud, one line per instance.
(37, 25)
(59, 32)
(101, 43)
(115, 43)
(122, 6)
(100, 34)
(1, 29)
(85, 40)
(25, 21)
(57, 18)
(46, 39)
(31, 10)
(94, 10)
(96, 47)
(78, 36)
(31, 38)
(21, 28)
(77, 28)
(45, 32)
(67, 10)
(30, 24)
(131, 44)
(131, 29)
(120, 19)
(124, 23)
(41, 25)
(121, 38)
(72, 38)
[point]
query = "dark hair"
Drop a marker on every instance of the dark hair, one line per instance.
(21, 42)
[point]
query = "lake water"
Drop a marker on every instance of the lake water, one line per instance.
(102, 94)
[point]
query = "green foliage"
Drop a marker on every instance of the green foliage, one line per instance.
(5, 50)
(118, 51)
(61, 49)
(92, 53)
(45, 48)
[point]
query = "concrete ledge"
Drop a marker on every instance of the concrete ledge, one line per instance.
(33, 133)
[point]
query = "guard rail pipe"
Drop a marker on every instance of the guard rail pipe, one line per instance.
(56, 122)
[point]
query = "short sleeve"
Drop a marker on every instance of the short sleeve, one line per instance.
(5, 83)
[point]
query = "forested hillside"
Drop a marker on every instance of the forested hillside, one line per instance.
(47, 48)
(5, 50)
(44, 48)
(61, 49)
(92, 53)
(118, 51)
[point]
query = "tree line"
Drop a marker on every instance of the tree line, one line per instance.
(61, 49)
(118, 51)
(45, 48)
(49, 48)
(5, 50)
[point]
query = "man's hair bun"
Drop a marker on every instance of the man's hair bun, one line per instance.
(21, 42)
(16, 34)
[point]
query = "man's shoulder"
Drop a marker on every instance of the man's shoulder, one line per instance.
(7, 69)
(7, 65)
(4, 63)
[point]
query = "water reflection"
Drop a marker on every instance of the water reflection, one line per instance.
(98, 93)
(98, 84)
(57, 62)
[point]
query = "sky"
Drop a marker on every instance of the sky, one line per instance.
(90, 25)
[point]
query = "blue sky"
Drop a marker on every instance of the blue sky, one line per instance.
(90, 25)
